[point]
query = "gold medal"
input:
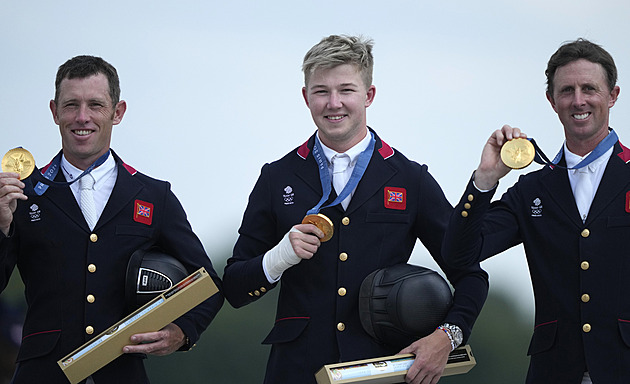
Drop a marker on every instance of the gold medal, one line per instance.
(322, 222)
(18, 160)
(518, 153)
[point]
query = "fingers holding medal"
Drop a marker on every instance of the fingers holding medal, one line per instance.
(323, 223)
(20, 161)
(518, 153)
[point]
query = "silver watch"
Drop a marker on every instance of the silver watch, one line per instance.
(455, 334)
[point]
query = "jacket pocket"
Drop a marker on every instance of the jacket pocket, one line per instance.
(544, 337)
(287, 329)
(134, 230)
(38, 344)
(624, 329)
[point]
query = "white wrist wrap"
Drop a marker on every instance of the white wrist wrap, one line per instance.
(280, 258)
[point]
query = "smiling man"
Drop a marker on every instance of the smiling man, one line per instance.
(382, 205)
(573, 219)
(73, 260)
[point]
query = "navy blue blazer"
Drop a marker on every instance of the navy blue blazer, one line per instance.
(61, 262)
(579, 270)
(316, 323)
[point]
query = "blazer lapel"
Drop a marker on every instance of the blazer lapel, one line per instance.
(556, 182)
(125, 189)
(63, 198)
(614, 181)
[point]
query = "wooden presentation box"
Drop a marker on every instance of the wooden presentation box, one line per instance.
(151, 317)
(389, 369)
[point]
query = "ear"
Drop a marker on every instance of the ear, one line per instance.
(305, 95)
(614, 95)
(119, 111)
(53, 109)
(551, 101)
(371, 93)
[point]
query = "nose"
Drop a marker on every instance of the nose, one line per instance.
(334, 101)
(579, 98)
(83, 114)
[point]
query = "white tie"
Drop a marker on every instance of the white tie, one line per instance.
(340, 175)
(86, 186)
(583, 191)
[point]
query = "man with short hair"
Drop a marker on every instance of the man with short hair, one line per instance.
(573, 219)
(383, 204)
(73, 263)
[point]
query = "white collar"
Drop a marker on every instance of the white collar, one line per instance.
(353, 152)
(71, 172)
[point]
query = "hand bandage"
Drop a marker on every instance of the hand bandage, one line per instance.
(280, 258)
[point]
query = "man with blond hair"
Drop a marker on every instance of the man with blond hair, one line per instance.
(317, 319)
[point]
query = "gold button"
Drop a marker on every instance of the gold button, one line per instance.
(90, 299)
(93, 238)
(467, 205)
(343, 256)
(586, 298)
(585, 233)
(341, 327)
(251, 294)
(89, 330)
(586, 327)
(341, 291)
(464, 213)
(585, 265)
(263, 289)
(92, 268)
(345, 221)
(471, 197)
(257, 292)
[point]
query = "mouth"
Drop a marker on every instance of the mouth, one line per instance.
(82, 132)
(581, 116)
(335, 118)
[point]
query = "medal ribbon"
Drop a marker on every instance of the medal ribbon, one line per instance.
(324, 175)
(53, 169)
(603, 146)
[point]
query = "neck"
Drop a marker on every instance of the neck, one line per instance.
(582, 146)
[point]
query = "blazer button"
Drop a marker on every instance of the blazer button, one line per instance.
(585, 265)
(93, 238)
(464, 213)
(471, 197)
(586, 298)
(343, 256)
(341, 327)
(585, 233)
(90, 299)
(586, 327)
(341, 291)
(91, 268)
(467, 205)
(345, 221)
(257, 292)
(263, 289)
(89, 330)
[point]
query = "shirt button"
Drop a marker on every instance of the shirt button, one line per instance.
(93, 238)
(92, 268)
(341, 327)
(90, 299)
(343, 256)
(585, 233)
(586, 298)
(345, 221)
(586, 327)
(585, 265)
(341, 291)
(89, 330)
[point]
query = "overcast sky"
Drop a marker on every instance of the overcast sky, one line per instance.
(214, 88)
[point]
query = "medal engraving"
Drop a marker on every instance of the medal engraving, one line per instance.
(518, 153)
(323, 223)
(18, 160)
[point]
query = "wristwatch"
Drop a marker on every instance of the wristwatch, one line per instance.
(454, 333)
